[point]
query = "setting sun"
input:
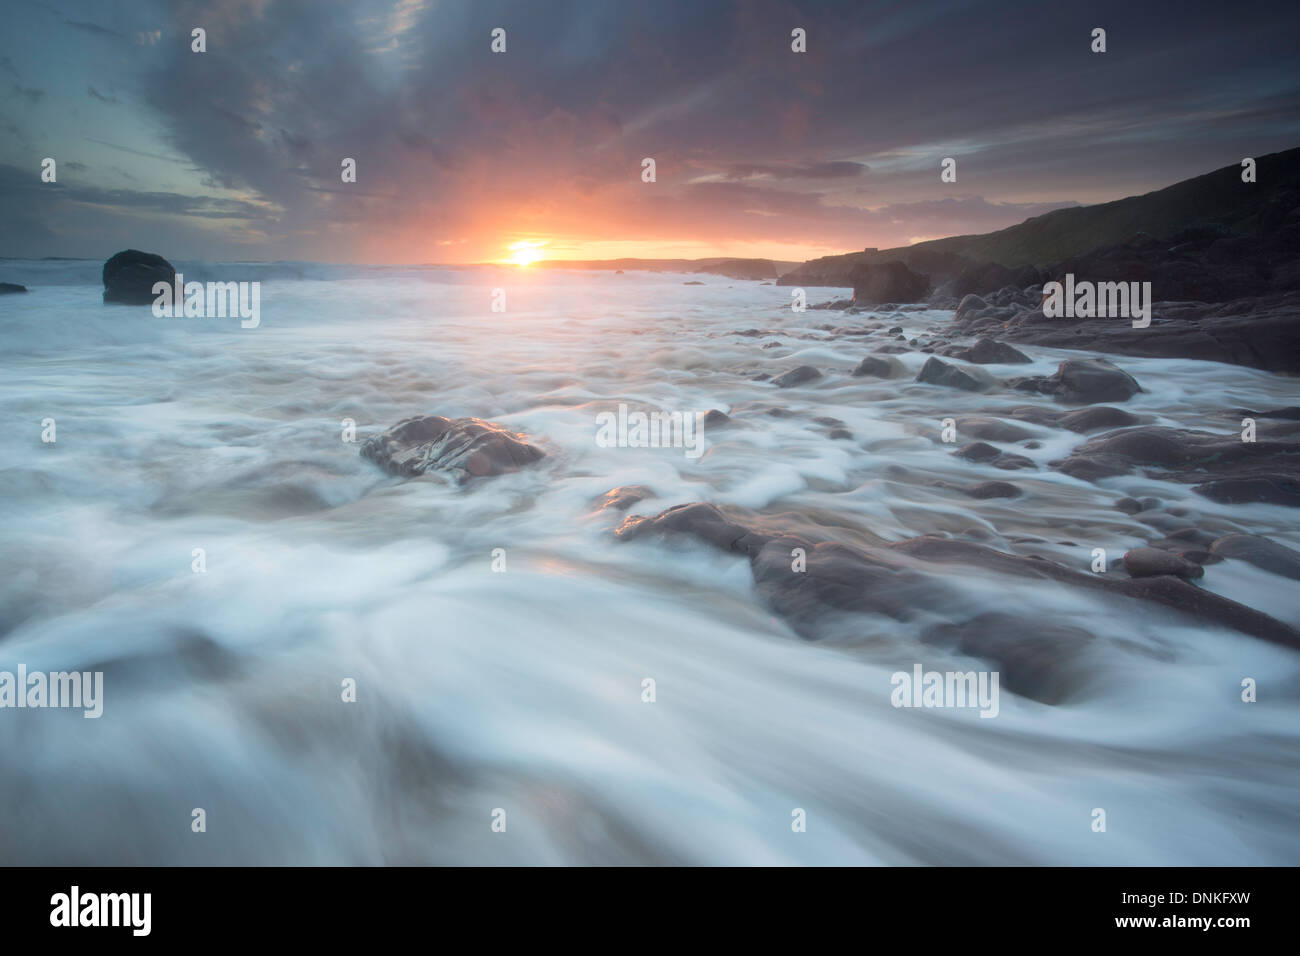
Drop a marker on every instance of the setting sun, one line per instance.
(526, 251)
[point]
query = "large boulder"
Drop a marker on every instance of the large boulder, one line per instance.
(129, 276)
(461, 448)
(888, 282)
(1083, 382)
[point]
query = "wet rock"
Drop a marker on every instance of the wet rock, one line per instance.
(1258, 489)
(461, 448)
(1262, 552)
(1258, 331)
(1097, 417)
(937, 372)
(624, 497)
(129, 276)
(11, 288)
(1130, 506)
(1145, 562)
(1225, 468)
(991, 352)
(977, 451)
(1083, 382)
(911, 579)
(716, 417)
(969, 305)
(1035, 658)
(992, 429)
(992, 489)
(796, 376)
(876, 367)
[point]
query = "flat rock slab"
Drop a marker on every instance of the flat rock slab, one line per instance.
(461, 448)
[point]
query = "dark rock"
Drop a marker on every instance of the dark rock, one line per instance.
(991, 352)
(876, 367)
(716, 417)
(1260, 331)
(1259, 551)
(1098, 416)
(10, 288)
(992, 489)
(462, 448)
(992, 429)
(912, 579)
(1145, 562)
(977, 451)
(1083, 382)
(796, 376)
(130, 275)
(1224, 468)
(937, 372)
(1258, 489)
(693, 282)
(888, 282)
(1035, 658)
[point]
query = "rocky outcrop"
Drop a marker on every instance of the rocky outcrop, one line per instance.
(1259, 332)
(914, 580)
(10, 288)
(1222, 468)
(129, 277)
(460, 448)
(888, 282)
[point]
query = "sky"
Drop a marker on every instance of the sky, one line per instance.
(468, 155)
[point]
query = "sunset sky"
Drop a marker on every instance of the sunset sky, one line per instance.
(465, 155)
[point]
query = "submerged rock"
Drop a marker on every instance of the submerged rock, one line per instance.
(796, 376)
(129, 276)
(916, 579)
(624, 497)
(1260, 551)
(1221, 468)
(1145, 562)
(936, 372)
(876, 367)
(461, 448)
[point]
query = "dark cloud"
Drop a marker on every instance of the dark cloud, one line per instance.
(836, 147)
(30, 95)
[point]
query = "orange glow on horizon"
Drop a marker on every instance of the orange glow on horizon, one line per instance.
(526, 251)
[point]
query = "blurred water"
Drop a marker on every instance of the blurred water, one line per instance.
(521, 690)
